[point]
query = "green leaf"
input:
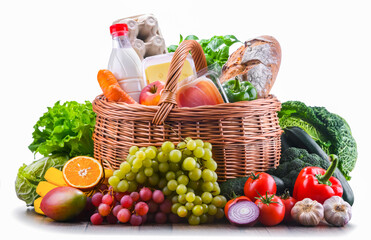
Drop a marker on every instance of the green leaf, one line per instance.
(181, 38)
(229, 40)
(208, 51)
(191, 37)
(215, 43)
(204, 42)
(172, 48)
(209, 60)
(223, 54)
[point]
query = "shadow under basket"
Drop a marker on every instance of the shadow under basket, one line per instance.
(246, 136)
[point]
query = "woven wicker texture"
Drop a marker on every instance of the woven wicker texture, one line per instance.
(167, 101)
(245, 135)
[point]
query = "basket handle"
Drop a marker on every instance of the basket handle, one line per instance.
(167, 101)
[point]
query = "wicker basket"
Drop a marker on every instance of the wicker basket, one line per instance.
(245, 135)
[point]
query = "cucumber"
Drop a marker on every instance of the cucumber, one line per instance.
(297, 137)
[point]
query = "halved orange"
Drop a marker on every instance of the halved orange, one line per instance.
(82, 172)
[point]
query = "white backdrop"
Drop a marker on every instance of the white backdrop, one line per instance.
(52, 50)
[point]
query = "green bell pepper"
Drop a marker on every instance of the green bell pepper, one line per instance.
(239, 91)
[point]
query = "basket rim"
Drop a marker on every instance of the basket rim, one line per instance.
(260, 101)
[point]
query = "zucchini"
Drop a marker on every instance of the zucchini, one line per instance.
(285, 144)
(297, 137)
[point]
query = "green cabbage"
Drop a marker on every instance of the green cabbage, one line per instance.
(29, 176)
(329, 130)
(66, 128)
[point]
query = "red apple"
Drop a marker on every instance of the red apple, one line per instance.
(151, 94)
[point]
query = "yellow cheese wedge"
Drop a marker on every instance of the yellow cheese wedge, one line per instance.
(159, 72)
(44, 187)
(36, 205)
(55, 177)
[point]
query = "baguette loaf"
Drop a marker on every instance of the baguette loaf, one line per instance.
(257, 61)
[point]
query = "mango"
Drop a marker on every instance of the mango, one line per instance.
(63, 203)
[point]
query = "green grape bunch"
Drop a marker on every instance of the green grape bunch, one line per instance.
(185, 173)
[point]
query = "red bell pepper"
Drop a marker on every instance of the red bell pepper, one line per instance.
(318, 184)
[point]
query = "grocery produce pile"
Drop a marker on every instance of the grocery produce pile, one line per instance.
(177, 182)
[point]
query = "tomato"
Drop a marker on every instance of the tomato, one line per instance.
(259, 184)
(272, 210)
(289, 203)
(233, 201)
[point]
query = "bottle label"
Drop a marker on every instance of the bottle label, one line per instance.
(130, 85)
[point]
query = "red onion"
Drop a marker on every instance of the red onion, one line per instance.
(244, 213)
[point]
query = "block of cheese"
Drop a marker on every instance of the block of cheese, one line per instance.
(44, 187)
(55, 177)
(36, 205)
(156, 68)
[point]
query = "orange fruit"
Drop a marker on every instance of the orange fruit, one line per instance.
(82, 172)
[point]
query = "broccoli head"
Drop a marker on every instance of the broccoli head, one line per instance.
(293, 160)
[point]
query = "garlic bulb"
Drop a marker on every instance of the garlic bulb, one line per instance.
(307, 212)
(337, 211)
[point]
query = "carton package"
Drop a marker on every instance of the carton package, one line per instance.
(145, 35)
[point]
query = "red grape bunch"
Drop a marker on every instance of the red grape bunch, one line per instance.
(135, 208)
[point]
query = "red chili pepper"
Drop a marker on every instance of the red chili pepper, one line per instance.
(318, 184)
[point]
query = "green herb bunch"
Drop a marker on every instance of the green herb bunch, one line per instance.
(216, 49)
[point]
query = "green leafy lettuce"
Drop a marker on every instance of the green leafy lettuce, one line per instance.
(216, 49)
(29, 176)
(65, 128)
(329, 130)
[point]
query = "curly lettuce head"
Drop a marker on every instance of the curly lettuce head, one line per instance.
(65, 128)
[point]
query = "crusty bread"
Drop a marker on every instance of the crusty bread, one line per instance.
(257, 61)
